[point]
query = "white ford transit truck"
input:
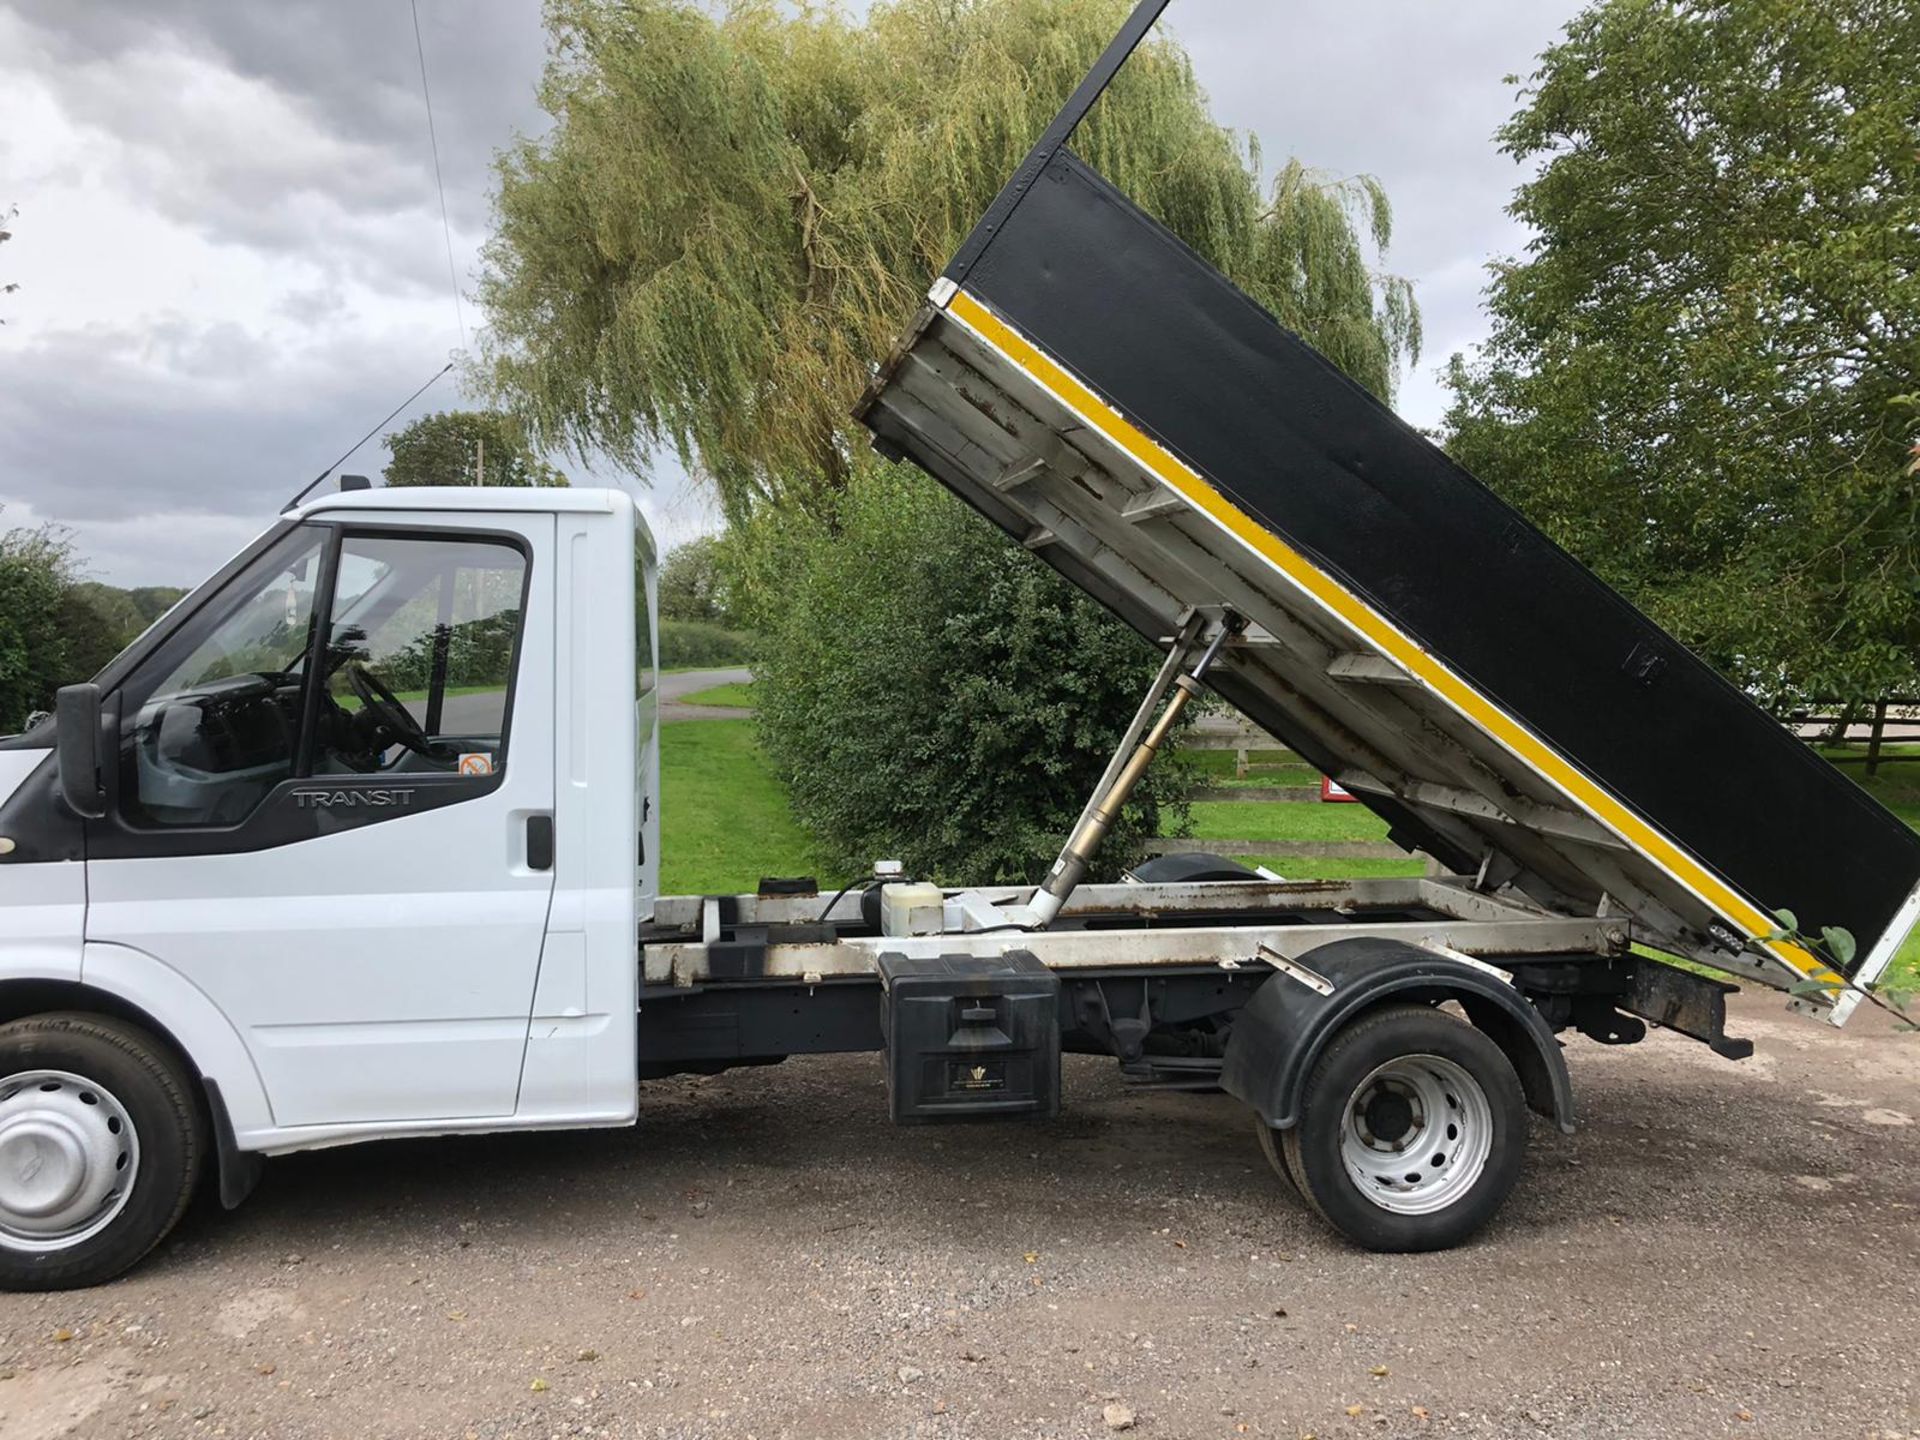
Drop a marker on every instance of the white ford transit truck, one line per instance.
(361, 840)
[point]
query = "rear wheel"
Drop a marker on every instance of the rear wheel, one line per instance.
(1412, 1131)
(1185, 867)
(101, 1143)
(1276, 1154)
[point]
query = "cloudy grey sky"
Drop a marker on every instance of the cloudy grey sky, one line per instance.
(231, 260)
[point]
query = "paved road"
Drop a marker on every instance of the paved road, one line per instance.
(674, 689)
(765, 1256)
(471, 714)
(676, 685)
(480, 714)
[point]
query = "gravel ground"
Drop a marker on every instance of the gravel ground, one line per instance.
(1722, 1250)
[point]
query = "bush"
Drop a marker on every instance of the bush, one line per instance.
(37, 608)
(929, 691)
(56, 629)
(695, 642)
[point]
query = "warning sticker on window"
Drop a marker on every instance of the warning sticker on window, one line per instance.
(476, 762)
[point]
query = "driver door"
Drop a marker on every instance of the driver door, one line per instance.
(333, 812)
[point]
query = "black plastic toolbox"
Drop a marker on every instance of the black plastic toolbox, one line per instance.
(970, 1036)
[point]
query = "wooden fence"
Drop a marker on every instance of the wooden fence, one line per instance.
(1885, 733)
(1892, 721)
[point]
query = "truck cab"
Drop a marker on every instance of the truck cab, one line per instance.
(372, 818)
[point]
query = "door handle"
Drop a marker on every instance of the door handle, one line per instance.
(540, 842)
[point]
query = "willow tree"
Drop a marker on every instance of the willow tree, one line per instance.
(732, 217)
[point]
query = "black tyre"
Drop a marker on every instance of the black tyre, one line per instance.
(1412, 1131)
(1276, 1154)
(101, 1143)
(1186, 866)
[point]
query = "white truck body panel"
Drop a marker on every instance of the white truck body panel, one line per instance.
(44, 905)
(15, 766)
(386, 971)
(582, 1048)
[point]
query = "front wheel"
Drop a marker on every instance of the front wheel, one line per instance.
(101, 1142)
(1412, 1131)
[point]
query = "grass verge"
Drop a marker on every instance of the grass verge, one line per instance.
(1312, 867)
(1304, 820)
(730, 697)
(724, 819)
(1216, 767)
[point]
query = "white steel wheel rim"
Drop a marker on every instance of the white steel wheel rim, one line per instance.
(1416, 1134)
(69, 1157)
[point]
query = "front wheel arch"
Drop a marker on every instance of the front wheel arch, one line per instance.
(104, 1122)
(237, 1171)
(20, 999)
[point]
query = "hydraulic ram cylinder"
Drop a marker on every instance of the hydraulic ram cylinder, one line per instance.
(1071, 868)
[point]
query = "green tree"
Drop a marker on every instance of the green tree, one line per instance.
(732, 216)
(952, 715)
(693, 584)
(96, 622)
(117, 617)
(150, 602)
(36, 653)
(1695, 376)
(466, 447)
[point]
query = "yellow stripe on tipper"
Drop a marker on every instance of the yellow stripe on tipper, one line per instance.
(1380, 632)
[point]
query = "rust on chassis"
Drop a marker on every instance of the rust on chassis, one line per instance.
(1447, 894)
(1231, 925)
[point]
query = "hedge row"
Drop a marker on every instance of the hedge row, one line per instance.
(695, 642)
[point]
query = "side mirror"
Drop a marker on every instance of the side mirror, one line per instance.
(76, 733)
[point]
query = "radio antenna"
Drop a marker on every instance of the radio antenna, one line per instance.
(313, 483)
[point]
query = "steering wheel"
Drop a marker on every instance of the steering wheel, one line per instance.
(395, 721)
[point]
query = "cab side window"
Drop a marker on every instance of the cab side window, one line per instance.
(644, 675)
(419, 639)
(211, 721)
(420, 656)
